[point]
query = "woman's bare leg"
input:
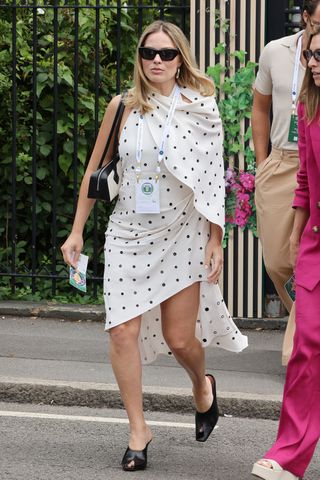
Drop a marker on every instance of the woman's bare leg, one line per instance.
(179, 316)
(126, 364)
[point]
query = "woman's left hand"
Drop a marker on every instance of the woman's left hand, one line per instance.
(213, 260)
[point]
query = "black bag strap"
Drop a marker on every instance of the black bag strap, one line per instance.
(114, 129)
(116, 133)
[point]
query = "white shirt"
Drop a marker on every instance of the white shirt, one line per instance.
(275, 76)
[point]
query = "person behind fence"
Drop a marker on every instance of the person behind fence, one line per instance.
(299, 428)
(278, 83)
(163, 253)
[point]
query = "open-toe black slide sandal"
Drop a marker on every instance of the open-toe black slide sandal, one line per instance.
(135, 459)
(206, 421)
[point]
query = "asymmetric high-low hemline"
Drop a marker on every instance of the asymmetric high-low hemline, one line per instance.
(151, 257)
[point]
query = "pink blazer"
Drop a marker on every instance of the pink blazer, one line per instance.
(307, 195)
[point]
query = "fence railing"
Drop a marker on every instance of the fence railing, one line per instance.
(60, 63)
(243, 275)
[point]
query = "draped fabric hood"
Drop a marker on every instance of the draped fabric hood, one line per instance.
(194, 148)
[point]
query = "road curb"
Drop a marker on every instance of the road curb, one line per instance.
(72, 312)
(107, 396)
(96, 313)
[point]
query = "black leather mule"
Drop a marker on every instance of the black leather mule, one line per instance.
(206, 421)
(135, 459)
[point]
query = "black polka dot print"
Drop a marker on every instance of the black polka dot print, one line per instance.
(151, 257)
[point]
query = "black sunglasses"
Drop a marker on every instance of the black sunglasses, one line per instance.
(308, 54)
(166, 54)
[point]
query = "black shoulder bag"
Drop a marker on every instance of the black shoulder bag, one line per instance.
(105, 183)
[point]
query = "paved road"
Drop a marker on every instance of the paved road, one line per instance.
(74, 443)
(35, 348)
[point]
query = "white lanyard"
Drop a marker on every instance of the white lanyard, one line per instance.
(294, 92)
(164, 134)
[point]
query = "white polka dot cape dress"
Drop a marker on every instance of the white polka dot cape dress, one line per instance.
(151, 257)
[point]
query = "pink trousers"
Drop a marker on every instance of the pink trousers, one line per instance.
(299, 427)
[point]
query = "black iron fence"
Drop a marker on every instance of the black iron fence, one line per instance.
(60, 63)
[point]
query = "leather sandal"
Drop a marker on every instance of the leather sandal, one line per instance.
(135, 459)
(206, 421)
(276, 472)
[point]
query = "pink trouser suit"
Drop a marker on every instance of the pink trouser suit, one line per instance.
(299, 427)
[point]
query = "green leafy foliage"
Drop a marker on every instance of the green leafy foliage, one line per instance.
(235, 105)
(235, 97)
(53, 142)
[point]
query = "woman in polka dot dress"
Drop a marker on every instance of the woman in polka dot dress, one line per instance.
(163, 253)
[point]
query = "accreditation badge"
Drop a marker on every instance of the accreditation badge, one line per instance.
(147, 194)
(293, 130)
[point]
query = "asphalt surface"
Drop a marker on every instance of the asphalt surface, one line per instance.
(61, 362)
(39, 442)
(61, 413)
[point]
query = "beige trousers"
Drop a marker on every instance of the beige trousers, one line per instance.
(275, 185)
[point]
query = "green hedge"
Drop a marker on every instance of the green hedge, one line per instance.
(86, 131)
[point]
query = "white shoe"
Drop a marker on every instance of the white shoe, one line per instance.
(276, 472)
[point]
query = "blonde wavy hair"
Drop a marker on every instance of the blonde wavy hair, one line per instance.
(310, 92)
(190, 75)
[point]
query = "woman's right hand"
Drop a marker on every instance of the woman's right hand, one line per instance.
(294, 249)
(72, 248)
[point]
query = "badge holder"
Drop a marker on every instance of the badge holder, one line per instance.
(293, 130)
(290, 287)
(147, 193)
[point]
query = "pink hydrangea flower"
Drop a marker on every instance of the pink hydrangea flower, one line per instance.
(239, 196)
(241, 218)
(247, 180)
(243, 197)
